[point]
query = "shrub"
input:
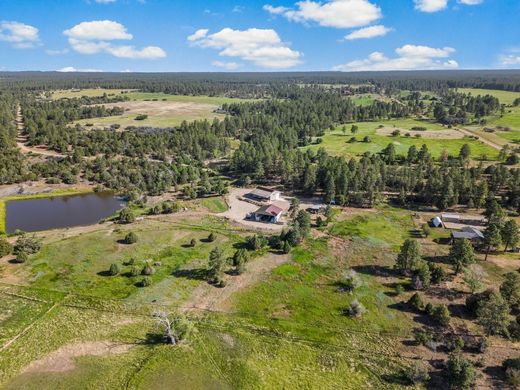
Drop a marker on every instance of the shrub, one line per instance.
(148, 269)
(438, 274)
(212, 237)
(351, 281)
(441, 315)
(425, 228)
(130, 238)
(146, 282)
(461, 373)
(356, 309)
(416, 302)
(5, 247)
(22, 257)
(416, 374)
(114, 269)
(422, 338)
(367, 139)
(135, 271)
(141, 117)
(126, 216)
(510, 288)
(256, 242)
(396, 133)
(29, 245)
(399, 289)
(512, 369)
(193, 242)
(286, 247)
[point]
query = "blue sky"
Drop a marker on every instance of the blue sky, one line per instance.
(270, 35)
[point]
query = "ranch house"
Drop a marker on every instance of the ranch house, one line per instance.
(268, 213)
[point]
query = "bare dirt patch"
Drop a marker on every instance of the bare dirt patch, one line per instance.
(163, 109)
(208, 297)
(62, 359)
(430, 134)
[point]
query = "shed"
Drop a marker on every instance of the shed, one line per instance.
(264, 194)
(437, 222)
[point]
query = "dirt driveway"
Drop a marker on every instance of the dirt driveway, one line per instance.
(238, 209)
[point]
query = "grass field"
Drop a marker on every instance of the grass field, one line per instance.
(163, 110)
(94, 92)
(336, 142)
(505, 97)
(287, 329)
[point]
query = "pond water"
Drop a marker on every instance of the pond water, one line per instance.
(32, 215)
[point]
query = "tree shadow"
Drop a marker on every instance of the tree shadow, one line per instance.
(104, 273)
(192, 274)
(240, 245)
(14, 261)
(153, 339)
(187, 246)
(376, 270)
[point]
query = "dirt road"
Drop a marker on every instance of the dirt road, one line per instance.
(482, 139)
(21, 140)
(209, 297)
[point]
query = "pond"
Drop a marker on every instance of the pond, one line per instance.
(31, 215)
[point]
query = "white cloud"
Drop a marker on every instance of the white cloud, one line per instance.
(96, 36)
(105, 30)
(409, 57)
(19, 35)
(226, 65)
(510, 59)
(368, 32)
(332, 13)
(69, 69)
(262, 47)
(431, 5)
(199, 34)
(105, 1)
(471, 2)
(147, 53)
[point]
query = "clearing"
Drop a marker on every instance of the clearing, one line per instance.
(339, 143)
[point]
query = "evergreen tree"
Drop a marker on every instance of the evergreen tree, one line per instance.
(461, 254)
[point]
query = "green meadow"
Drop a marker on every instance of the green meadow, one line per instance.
(336, 142)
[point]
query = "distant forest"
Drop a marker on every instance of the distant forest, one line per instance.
(263, 84)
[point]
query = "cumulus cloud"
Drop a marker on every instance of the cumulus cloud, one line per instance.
(226, 65)
(471, 2)
(409, 57)
(97, 36)
(332, 13)
(19, 35)
(262, 47)
(431, 5)
(368, 32)
(70, 69)
(510, 59)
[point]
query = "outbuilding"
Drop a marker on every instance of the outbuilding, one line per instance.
(264, 194)
(437, 222)
(471, 233)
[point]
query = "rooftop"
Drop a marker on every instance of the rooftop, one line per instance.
(271, 210)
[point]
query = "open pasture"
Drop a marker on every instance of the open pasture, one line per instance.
(93, 92)
(505, 97)
(159, 114)
(338, 143)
